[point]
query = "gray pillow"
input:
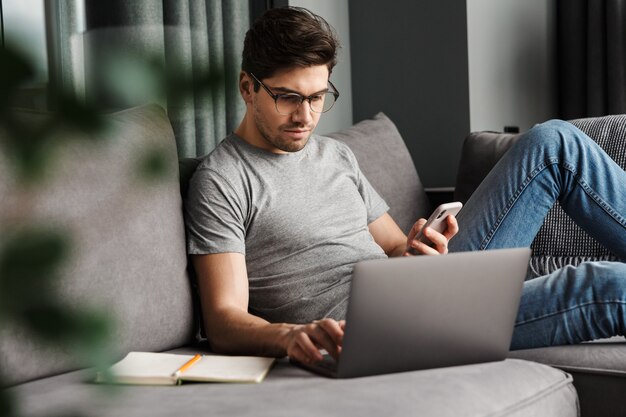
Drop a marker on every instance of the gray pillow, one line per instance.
(387, 164)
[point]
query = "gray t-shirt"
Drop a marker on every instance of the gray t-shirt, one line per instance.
(300, 219)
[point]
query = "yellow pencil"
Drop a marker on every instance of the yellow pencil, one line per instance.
(187, 365)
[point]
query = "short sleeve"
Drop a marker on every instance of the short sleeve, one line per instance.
(375, 204)
(214, 215)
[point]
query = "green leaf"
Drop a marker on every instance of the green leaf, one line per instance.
(30, 263)
(56, 323)
(154, 165)
(15, 70)
(75, 114)
(7, 403)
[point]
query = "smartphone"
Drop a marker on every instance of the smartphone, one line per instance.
(437, 221)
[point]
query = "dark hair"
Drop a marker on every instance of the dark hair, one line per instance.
(288, 37)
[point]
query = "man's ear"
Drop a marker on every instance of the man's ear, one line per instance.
(246, 87)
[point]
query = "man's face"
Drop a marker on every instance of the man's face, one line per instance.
(287, 133)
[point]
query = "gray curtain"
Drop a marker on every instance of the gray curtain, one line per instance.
(110, 63)
(592, 57)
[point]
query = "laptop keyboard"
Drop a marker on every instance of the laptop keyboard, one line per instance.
(328, 362)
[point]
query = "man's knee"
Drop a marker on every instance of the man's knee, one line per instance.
(555, 136)
(608, 278)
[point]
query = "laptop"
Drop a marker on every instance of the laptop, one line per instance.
(423, 312)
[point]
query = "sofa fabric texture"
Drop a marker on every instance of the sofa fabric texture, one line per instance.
(127, 239)
(560, 241)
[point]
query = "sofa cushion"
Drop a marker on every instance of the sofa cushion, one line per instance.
(480, 152)
(598, 368)
(505, 388)
(559, 241)
(127, 236)
(386, 162)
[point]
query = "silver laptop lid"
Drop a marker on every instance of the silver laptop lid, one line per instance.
(431, 311)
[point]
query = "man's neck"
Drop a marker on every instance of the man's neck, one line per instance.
(248, 132)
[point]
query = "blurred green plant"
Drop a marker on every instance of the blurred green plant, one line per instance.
(29, 146)
(32, 256)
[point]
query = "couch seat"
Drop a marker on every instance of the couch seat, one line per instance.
(598, 369)
(507, 388)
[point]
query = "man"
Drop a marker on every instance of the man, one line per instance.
(278, 216)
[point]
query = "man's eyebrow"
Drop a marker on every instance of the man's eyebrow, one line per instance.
(289, 90)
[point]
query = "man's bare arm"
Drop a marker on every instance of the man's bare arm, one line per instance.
(394, 242)
(223, 286)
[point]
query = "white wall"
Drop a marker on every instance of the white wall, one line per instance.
(336, 13)
(512, 61)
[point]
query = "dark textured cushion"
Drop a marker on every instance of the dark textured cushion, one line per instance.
(186, 168)
(560, 241)
(128, 256)
(385, 160)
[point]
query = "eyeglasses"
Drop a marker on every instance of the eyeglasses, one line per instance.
(288, 103)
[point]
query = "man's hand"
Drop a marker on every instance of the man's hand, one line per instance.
(304, 341)
(439, 241)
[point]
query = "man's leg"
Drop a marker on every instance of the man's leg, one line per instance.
(554, 160)
(572, 305)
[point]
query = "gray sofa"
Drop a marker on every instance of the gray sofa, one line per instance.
(129, 259)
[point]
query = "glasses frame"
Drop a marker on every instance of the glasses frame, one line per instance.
(334, 92)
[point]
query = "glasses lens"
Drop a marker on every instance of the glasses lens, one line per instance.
(288, 103)
(323, 102)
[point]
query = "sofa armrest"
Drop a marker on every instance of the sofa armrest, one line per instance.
(481, 151)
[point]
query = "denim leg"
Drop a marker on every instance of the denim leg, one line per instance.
(554, 160)
(572, 305)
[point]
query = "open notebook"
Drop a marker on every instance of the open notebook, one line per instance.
(149, 368)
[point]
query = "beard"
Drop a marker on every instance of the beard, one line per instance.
(285, 143)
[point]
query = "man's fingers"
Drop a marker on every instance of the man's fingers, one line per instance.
(309, 350)
(298, 354)
(423, 248)
(333, 329)
(453, 227)
(416, 228)
(307, 340)
(439, 241)
(323, 339)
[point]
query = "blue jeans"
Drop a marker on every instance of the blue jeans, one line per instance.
(555, 161)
